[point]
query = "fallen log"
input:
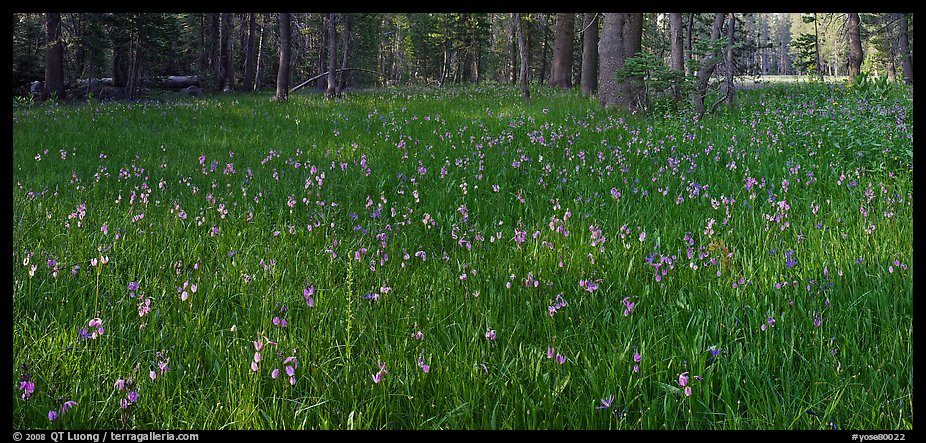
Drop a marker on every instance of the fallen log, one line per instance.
(301, 85)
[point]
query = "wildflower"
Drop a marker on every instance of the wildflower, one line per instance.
(120, 384)
(68, 405)
(688, 391)
(423, 366)
(560, 358)
(307, 293)
(628, 305)
(605, 404)
(132, 396)
(551, 352)
(418, 335)
(52, 415)
(27, 387)
(98, 324)
(275, 374)
(683, 379)
(490, 334)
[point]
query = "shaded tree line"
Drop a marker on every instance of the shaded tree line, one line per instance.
(628, 60)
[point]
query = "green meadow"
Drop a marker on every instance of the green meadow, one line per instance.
(456, 258)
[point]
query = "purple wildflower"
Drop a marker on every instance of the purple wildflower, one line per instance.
(52, 415)
(490, 334)
(605, 404)
(307, 293)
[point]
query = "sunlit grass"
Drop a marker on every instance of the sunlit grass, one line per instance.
(828, 273)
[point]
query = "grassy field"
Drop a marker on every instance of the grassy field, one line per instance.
(456, 259)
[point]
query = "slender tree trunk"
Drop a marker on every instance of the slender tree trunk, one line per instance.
(522, 47)
(855, 47)
(512, 53)
(903, 46)
(226, 54)
(543, 54)
(283, 72)
(54, 57)
(342, 83)
(707, 65)
(590, 54)
(332, 48)
(250, 60)
(689, 48)
(215, 52)
(889, 27)
(561, 76)
(260, 49)
(816, 45)
(730, 98)
(322, 52)
(203, 44)
(677, 54)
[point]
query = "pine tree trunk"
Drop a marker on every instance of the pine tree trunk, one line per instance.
(543, 53)
(677, 55)
(250, 55)
(611, 58)
(227, 55)
(632, 95)
(855, 47)
(342, 83)
(332, 48)
(730, 98)
(512, 53)
(283, 72)
(522, 47)
(54, 57)
(561, 76)
(903, 46)
(707, 65)
(590, 54)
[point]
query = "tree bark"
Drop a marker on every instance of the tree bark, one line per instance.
(283, 72)
(562, 50)
(543, 53)
(730, 98)
(227, 55)
(707, 65)
(250, 55)
(677, 54)
(689, 45)
(54, 57)
(522, 47)
(855, 47)
(611, 58)
(512, 53)
(589, 78)
(215, 48)
(903, 46)
(332, 47)
(342, 78)
(632, 96)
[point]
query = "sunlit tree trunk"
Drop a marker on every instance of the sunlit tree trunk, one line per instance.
(677, 54)
(855, 46)
(522, 47)
(730, 98)
(332, 47)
